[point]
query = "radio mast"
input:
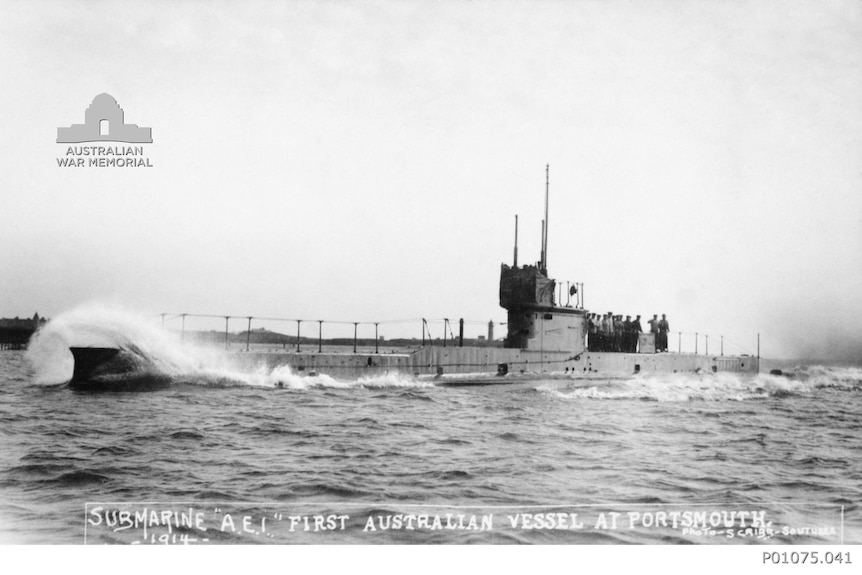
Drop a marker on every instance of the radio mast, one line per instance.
(545, 227)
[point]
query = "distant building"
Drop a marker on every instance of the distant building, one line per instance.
(17, 323)
(16, 332)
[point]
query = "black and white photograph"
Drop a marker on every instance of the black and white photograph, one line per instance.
(460, 273)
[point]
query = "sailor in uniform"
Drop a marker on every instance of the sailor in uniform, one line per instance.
(627, 335)
(663, 328)
(653, 329)
(618, 333)
(637, 330)
(607, 332)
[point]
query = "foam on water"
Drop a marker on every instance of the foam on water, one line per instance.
(392, 379)
(289, 379)
(97, 325)
(719, 386)
(828, 376)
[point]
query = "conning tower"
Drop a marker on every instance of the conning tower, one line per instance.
(536, 322)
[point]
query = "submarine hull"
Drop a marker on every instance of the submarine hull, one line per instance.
(456, 366)
(111, 369)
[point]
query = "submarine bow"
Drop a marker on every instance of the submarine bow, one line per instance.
(114, 369)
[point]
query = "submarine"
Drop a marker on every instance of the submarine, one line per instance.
(546, 341)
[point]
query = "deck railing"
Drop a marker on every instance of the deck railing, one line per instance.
(443, 328)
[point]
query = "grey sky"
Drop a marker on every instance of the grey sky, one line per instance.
(364, 162)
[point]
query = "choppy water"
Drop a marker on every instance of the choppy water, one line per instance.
(392, 448)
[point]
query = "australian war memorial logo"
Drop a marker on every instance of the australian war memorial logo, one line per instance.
(104, 121)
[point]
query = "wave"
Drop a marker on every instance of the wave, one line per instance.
(828, 376)
(79, 477)
(165, 354)
(681, 387)
(95, 325)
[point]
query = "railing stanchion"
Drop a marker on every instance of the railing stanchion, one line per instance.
(355, 327)
(248, 334)
(376, 339)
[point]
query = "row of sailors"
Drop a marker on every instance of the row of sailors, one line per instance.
(612, 333)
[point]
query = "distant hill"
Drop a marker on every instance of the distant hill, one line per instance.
(264, 336)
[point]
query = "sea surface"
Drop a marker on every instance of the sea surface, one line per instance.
(671, 459)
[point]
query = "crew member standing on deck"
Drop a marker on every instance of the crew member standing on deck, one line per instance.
(612, 337)
(607, 331)
(653, 329)
(618, 333)
(627, 335)
(600, 332)
(663, 328)
(637, 329)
